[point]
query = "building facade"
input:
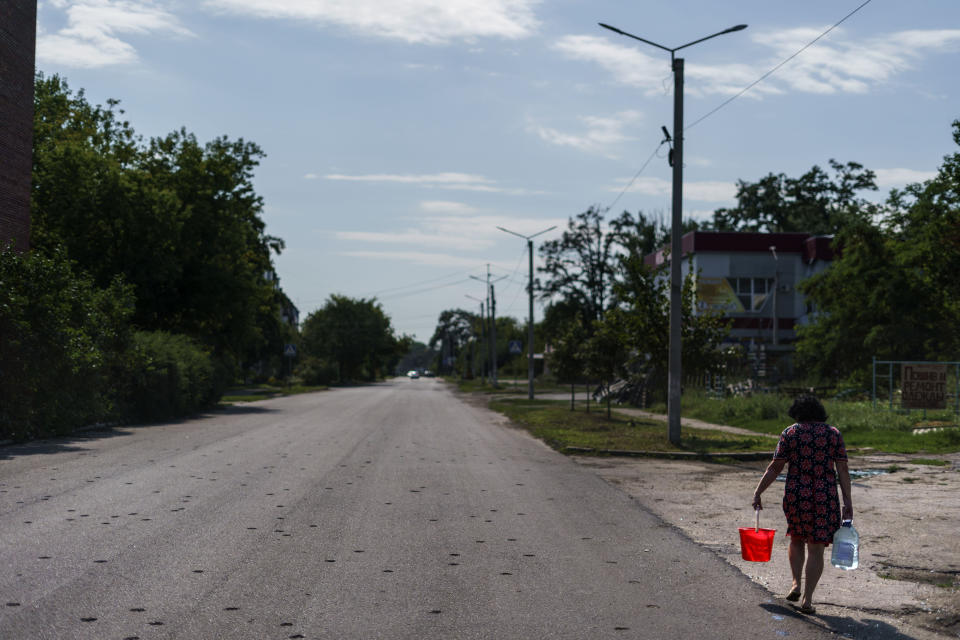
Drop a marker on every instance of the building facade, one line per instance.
(752, 278)
(18, 27)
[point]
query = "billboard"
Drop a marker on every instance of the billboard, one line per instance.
(717, 294)
(924, 386)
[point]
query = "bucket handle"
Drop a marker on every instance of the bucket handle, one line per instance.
(757, 528)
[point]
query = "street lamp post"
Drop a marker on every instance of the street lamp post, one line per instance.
(676, 282)
(530, 367)
(483, 324)
(492, 334)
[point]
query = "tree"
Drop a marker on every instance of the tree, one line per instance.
(641, 319)
(179, 221)
(582, 266)
(579, 266)
(566, 359)
(603, 353)
(454, 329)
(356, 336)
(892, 291)
(813, 203)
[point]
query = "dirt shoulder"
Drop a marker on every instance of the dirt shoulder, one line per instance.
(908, 583)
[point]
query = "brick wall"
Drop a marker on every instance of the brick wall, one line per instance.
(18, 28)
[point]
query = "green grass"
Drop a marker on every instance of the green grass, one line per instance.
(931, 462)
(554, 423)
(264, 391)
(862, 426)
(506, 386)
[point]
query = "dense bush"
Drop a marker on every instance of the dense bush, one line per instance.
(69, 358)
(61, 345)
(167, 376)
(317, 371)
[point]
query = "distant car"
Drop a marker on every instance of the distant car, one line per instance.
(413, 375)
(428, 374)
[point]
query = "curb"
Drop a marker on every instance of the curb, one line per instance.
(674, 455)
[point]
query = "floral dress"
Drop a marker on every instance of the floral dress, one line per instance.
(810, 500)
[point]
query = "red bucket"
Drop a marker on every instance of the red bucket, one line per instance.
(756, 543)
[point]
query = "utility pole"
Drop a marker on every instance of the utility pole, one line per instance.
(483, 326)
(493, 334)
(492, 309)
(676, 281)
(530, 367)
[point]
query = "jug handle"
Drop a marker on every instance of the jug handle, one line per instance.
(757, 528)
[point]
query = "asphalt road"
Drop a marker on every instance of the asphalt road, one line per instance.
(386, 511)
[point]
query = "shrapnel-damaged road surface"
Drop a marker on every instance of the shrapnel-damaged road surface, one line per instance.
(386, 511)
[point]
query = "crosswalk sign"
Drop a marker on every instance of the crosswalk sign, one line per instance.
(516, 347)
(290, 350)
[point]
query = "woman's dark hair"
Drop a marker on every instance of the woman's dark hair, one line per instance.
(807, 409)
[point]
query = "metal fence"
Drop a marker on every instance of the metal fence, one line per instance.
(891, 372)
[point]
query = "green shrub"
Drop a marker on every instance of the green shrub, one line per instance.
(317, 371)
(168, 376)
(61, 344)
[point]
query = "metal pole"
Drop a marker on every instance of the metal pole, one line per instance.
(493, 334)
(674, 365)
(530, 368)
(874, 382)
(890, 383)
(483, 339)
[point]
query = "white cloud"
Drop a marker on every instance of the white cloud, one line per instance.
(706, 191)
(449, 180)
(835, 64)
(629, 65)
(601, 135)
(415, 21)
(92, 35)
(445, 206)
(310, 176)
(887, 178)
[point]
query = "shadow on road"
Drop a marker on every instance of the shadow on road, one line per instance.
(59, 445)
(864, 629)
(74, 442)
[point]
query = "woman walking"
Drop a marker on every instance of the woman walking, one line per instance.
(818, 459)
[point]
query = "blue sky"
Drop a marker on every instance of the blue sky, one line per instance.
(400, 133)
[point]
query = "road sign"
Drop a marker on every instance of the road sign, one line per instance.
(516, 347)
(924, 386)
(290, 350)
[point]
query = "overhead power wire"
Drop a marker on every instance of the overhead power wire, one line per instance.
(769, 73)
(417, 292)
(417, 284)
(636, 175)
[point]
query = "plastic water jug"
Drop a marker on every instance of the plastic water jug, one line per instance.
(846, 547)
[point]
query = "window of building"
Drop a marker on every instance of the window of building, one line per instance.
(752, 292)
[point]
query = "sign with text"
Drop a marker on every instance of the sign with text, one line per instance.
(924, 386)
(717, 294)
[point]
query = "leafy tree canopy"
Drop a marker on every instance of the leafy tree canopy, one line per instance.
(892, 292)
(178, 220)
(814, 203)
(356, 335)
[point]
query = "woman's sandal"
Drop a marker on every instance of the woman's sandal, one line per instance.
(793, 596)
(809, 609)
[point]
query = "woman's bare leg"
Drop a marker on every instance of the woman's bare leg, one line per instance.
(813, 571)
(796, 555)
